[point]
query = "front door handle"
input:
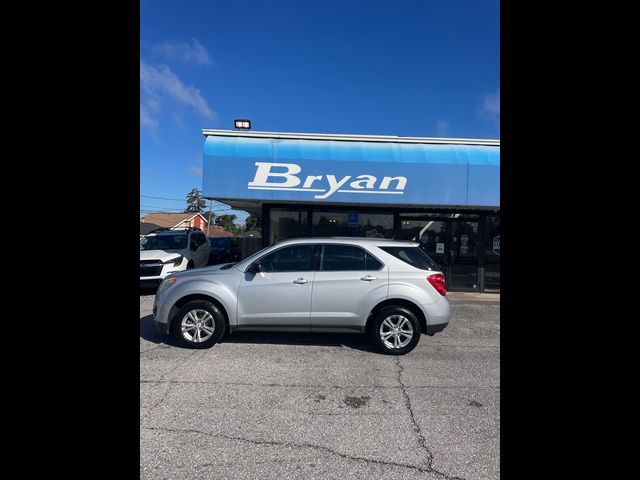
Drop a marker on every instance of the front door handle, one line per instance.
(367, 278)
(300, 281)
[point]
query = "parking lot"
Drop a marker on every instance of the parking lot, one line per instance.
(275, 405)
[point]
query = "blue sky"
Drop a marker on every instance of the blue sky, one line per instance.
(409, 68)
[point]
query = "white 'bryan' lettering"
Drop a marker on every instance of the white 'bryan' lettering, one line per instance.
(267, 179)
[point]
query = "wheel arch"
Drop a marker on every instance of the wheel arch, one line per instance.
(197, 296)
(401, 302)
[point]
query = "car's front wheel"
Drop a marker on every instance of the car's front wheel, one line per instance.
(198, 324)
(395, 330)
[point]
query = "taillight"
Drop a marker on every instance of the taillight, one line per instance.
(437, 280)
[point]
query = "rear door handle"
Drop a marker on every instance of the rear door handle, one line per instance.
(367, 278)
(300, 281)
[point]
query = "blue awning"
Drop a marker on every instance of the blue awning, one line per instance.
(362, 172)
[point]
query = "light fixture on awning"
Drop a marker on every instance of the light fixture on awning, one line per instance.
(242, 124)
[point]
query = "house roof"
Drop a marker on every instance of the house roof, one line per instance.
(216, 231)
(169, 220)
(147, 227)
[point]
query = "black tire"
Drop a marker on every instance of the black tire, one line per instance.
(190, 265)
(196, 308)
(396, 315)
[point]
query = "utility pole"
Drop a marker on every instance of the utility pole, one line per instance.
(210, 211)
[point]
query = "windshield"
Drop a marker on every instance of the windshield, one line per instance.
(414, 256)
(164, 242)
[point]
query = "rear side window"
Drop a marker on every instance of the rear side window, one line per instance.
(344, 258)
(414, 256)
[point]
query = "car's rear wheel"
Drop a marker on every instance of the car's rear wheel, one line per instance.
(198, 324)
(395, 330)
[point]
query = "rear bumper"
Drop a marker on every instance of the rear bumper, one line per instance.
(433, 329)
(438, 315)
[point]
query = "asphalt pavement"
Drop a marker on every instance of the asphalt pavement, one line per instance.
(324, 406)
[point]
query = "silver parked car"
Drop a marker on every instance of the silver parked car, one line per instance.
(388, 289)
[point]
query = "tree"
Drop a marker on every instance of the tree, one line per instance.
(252, 223)
(195, 202)
(227, 222)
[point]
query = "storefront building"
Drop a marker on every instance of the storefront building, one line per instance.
(443, 193)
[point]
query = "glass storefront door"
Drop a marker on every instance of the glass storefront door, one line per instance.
(463, 255)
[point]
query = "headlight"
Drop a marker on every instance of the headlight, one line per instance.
(175, 261)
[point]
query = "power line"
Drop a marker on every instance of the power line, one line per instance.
(164, 198)
(177, 199)
(148, 207)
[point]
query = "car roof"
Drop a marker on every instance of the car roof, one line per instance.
(173, 231)
(378, 242)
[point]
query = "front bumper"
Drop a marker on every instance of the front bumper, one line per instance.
(160, 317)
(158, 271)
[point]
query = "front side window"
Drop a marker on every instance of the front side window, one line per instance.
(347, 258)
(295, 258)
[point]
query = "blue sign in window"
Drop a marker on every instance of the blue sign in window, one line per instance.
(353, 219)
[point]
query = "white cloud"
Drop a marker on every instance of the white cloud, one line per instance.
(197, 171)
(157, 81)
(147, 121)
(442, 128)
(181, 50)
(490, 107)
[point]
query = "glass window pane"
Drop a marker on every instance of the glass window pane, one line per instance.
(352, 224)
(296, 258)
(342, 258)
(285, 223)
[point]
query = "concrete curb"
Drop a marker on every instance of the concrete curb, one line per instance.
(481, 297)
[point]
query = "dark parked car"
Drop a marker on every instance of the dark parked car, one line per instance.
(224, 250)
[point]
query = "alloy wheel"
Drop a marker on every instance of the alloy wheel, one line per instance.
(197, 326)
(396, 331)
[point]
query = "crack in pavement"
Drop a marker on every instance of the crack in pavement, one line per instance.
(154, 348)
(161, 381)
(302, 445)
(421, 440)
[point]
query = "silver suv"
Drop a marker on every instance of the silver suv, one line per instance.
(388, 289)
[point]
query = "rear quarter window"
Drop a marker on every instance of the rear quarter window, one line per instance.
(414, 256)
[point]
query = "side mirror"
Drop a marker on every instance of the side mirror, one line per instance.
(254, 268)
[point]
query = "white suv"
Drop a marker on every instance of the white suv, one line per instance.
(163, 252)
